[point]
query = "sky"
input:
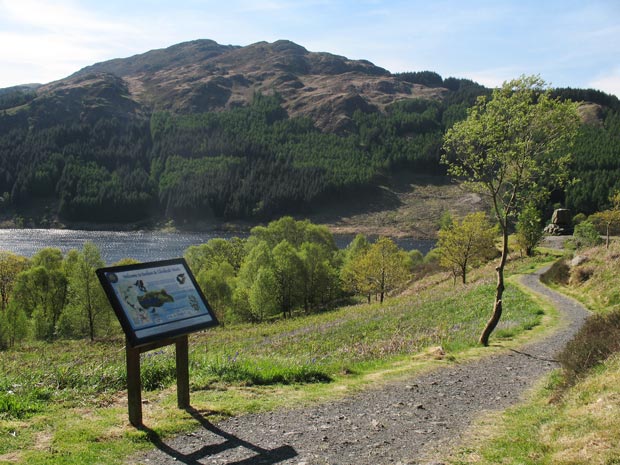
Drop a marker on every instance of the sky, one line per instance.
(568, 43)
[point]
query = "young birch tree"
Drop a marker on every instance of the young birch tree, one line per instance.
(466, 243)
(513, 147)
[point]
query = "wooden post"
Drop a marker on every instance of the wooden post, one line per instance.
(182, 356)
(134, 386)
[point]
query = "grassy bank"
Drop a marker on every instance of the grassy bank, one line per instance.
(572, 418)
(64, 403)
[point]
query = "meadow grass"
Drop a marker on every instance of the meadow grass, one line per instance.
(64, 402)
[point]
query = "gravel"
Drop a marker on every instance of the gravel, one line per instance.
(411, 421)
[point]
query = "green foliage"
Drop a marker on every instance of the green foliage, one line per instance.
(514, 148)
(416, 258)
(51, 296)
(217, 282)
(10, 267)
(383, 268)
(467, 243)
(104, 164)
(432, 256)
(88, 311)
(595, 164)
(261, 295)
(357, 248)
(251, 162)
(157, 370)
(586, 235)
(14, 325)
(529, 229)
(579, 218)
(608, 221)
(42, 294)
(285, 266)
(15, 407)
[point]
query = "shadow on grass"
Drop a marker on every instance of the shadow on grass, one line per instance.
(260, 455)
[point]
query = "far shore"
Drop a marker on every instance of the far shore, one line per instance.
(229, 227)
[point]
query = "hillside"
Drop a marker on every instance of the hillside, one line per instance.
(206, 132)
(201, 76)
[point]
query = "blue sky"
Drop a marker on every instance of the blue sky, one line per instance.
(569, 43)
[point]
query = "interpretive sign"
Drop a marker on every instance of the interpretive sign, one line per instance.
(156, 300)
(157, 304)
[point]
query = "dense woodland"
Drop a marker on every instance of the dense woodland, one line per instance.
(251, 162)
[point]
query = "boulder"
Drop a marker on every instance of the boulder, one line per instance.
(561, 223)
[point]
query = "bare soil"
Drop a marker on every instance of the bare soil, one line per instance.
(411, 421)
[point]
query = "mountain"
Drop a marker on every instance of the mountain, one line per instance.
(201, 76)
(202, 130)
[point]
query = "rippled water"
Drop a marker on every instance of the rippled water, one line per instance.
(141, 245)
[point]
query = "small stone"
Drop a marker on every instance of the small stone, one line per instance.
(377, 425)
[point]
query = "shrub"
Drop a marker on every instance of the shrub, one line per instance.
(579, 218)
(595, 342)
(586, 235)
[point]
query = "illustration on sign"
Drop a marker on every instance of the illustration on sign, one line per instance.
(156, 299)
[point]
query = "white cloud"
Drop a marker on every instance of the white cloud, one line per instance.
(491, 77)
(609, 83)
(47, 40)
(58, 16)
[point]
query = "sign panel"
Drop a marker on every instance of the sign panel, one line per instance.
(156, 300)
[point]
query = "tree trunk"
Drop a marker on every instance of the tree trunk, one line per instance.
(91, 323)
(607, 241)
(499, 292)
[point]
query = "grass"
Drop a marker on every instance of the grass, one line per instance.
(581, 429)
(64, 403)
(568, 420)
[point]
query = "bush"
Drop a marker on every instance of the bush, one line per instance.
(596, 341)
(586, 235)
(579, 218)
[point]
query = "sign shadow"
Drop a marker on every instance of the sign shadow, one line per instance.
(261, 455)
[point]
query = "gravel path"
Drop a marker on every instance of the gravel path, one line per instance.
(405, 422)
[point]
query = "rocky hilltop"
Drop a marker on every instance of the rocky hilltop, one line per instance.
(202, 75)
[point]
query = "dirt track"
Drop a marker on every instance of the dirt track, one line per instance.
(407, 422)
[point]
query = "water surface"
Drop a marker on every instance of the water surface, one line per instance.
(143, 246)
